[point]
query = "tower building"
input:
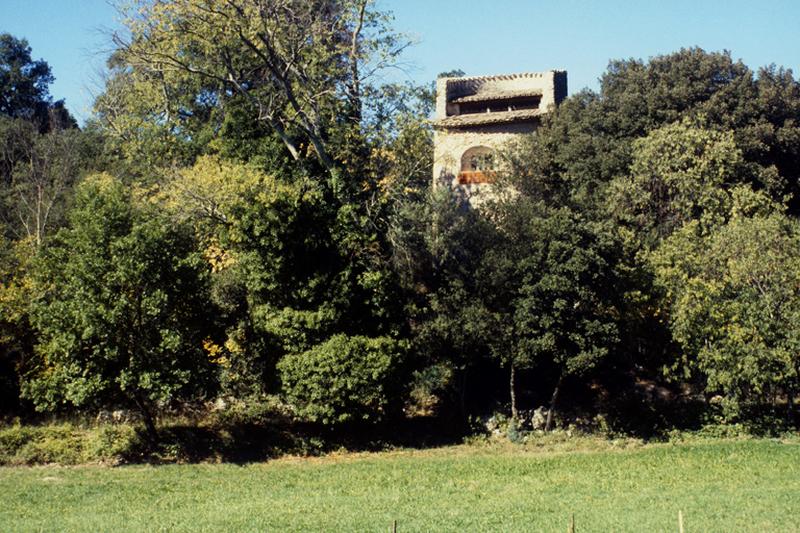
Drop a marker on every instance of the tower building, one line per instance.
(476, 116)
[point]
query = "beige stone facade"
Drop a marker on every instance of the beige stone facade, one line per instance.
(476, 116)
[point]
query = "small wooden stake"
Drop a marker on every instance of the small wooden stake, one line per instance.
(571, 524)
(393, 529)
(680, 521)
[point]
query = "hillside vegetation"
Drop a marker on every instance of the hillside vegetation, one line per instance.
(244, 237)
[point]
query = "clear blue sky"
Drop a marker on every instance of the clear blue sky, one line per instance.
(477, 36)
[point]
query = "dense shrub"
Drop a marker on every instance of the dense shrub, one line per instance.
(344, 379)
(66, 444)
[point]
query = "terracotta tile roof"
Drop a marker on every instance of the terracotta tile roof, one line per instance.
(481, 119)
(496, 95)
(468, 79)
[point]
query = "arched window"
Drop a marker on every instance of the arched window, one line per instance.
(477, 165)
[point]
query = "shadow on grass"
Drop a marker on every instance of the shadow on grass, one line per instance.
(256, 442)
(642, 413)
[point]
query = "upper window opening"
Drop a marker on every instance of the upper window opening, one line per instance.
(500, 104)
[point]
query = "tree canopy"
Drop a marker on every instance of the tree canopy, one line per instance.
(248, 218)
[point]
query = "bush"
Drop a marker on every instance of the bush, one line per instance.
(12, 439)
(344, 379)
(111, 443)
(66, 444)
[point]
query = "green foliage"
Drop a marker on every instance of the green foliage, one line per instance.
(437, 246)
(735, 305)
(588, 140)
(24, 82)
(402, 161)
(37, 175)
(42, 170)
(16, 334)
(239, 136)
(436, 239)
(17, 137)
(545, 284)
(274, 263)
(344, 379)
(31, 445)
(679, 173)
(684, 138)
(544, 291)
(65, 444)
(291, 266)
(299, 67)
(518, 280)
(120, 307)
(273, 218)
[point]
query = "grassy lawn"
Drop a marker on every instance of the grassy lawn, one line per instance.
(748, 485)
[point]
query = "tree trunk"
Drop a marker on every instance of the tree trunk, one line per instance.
(355, 83)
(462, 396)
(549, 424)
(147, 418)
(512, 378)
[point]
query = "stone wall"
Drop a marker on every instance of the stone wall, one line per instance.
(450, 145)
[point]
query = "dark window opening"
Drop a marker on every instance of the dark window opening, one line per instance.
(498, 105)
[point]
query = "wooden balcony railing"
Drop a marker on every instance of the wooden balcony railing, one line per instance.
(476, 176)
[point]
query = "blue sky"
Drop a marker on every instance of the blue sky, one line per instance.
(478, 36)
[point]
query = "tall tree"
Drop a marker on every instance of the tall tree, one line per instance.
(300, 65)
(120, 308)
(734, 306)
(679, 173)
(588, 140)
(45, 169)
(546, 286)
(289, 269)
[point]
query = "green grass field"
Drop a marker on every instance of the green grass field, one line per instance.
(748, 485)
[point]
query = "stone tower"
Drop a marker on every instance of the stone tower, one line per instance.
(476, 116)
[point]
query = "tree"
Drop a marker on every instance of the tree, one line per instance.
(519, 281)
(400, 138)
(43, 170)
(734, 307)
(301, 66)
(655, 114)
(588, 140)
(120, 308)
(24, 83)
(545, 284)
(436, 247)
(16, 335)
(678, 173)
(290, 268)
(275, 238)
(37, 173)
(17, 137)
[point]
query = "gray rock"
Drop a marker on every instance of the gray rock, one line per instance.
(539, 418)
